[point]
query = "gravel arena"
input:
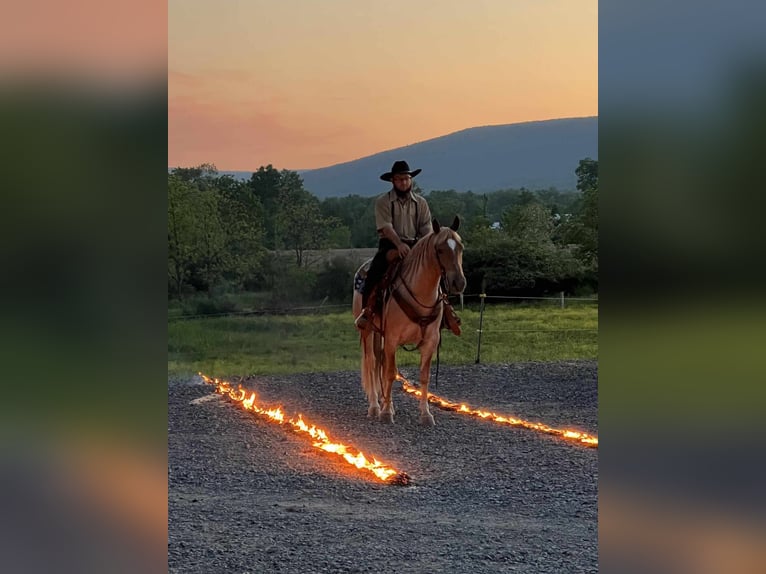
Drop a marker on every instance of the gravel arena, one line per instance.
(247, 495)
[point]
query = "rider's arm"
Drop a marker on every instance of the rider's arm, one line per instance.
(387, 231)
(424, 220)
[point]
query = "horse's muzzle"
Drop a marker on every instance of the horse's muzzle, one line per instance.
(457, 284)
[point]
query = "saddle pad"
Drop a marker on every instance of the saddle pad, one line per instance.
(361, 274)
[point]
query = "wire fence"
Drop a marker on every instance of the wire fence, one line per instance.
(560, 300)
(266, 311)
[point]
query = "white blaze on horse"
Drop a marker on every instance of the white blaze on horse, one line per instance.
(412, 314)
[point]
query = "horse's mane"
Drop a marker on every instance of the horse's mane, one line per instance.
(422, 251)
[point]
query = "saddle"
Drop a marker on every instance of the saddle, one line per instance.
(381, 292)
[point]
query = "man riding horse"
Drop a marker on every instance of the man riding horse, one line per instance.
(401, 217)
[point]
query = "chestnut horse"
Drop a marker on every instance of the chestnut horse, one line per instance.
(412, 314)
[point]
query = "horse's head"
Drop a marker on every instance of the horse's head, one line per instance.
(449, 252)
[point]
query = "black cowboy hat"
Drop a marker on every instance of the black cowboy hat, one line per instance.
(397, 168)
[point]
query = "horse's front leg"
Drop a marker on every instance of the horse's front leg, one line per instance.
(373, 410)
(426, 418)
(389, 373)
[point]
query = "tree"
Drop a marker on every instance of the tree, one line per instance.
(339, 237)
(445, 205)
(526, 197)
(211, 254)
(243, 217)
(355, 213)
(265, 184)
(509, 265)
(587, 174)
(181, 232)
(198, 175)
(478, 233)
(521, 258)
(335, 279)
(215, 229)
(582, 230)
(530, 222)
(196, 236)
(299, 220)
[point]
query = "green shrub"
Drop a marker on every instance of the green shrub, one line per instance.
(294, 285)
(514, 267)
(204, 305)
(335, 281)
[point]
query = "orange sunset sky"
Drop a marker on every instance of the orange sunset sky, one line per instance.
(302, 84)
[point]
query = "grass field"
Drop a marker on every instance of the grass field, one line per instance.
(248, 345)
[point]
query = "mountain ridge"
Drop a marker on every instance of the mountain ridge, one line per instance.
(534, 154)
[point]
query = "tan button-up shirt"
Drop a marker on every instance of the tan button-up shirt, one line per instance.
(411, 218)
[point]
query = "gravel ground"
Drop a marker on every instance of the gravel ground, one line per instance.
(246, 495)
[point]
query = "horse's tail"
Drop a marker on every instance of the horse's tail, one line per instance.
(371, 366)
(378, 360)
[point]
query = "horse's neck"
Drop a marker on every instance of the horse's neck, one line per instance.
(420, 271)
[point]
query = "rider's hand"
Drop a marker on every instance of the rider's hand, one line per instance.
(403, 249)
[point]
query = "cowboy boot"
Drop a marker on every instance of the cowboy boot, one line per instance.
(451, 319)
(364, 320)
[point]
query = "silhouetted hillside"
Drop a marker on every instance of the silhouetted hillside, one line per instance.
(535, 155)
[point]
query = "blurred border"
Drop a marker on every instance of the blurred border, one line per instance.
(681, 89)
(83, 105)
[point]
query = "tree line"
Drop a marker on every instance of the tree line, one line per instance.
(226, 234)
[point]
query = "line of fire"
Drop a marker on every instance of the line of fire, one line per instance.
(320, 439)
(571, 435)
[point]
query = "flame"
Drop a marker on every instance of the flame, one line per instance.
(580, 437)
(381, 470)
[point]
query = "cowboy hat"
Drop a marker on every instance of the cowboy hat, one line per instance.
(397, 168)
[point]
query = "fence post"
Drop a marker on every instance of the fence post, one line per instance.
(481, 322)
(562, 299)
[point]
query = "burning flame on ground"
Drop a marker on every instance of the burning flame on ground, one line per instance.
(580, 437)
(321, 441)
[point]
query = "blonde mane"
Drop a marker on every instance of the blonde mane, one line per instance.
(424, 252)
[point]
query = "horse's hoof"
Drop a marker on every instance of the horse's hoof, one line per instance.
(427, 420)
(387, 418)
(373, 412)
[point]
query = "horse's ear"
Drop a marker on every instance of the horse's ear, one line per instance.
(455, 224)
(436, 225)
